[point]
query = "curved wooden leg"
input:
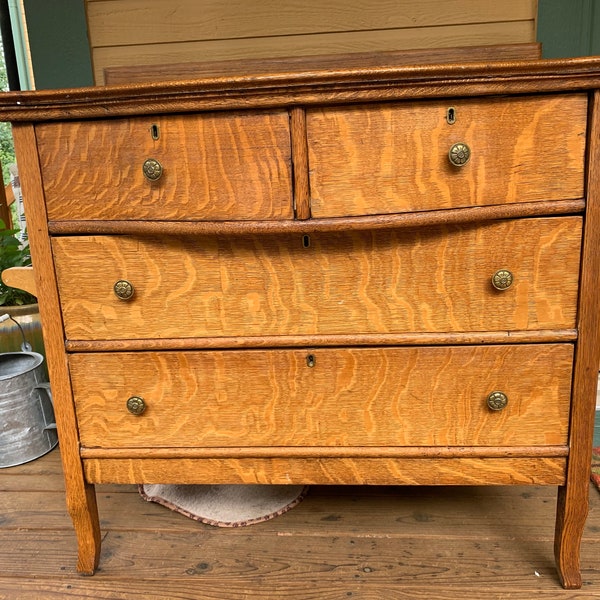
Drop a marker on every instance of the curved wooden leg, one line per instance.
(571, 513)
(84, 513)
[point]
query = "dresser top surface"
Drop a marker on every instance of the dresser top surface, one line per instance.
(340, 82)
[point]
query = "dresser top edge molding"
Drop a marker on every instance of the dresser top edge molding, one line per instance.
(283, 89)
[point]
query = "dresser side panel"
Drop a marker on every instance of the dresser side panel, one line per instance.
(80, 495)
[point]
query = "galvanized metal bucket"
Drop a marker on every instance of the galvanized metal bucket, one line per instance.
(27, 427)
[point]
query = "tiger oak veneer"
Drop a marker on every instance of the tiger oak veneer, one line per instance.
(379, 275)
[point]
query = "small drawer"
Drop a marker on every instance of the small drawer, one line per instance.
(434, 279)
(182, 167)
(395, 158)
(431, 396)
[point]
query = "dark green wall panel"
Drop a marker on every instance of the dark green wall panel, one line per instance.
(569, 27)
(60, 52)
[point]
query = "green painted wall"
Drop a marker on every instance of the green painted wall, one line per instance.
(569, 28)
(60, 52)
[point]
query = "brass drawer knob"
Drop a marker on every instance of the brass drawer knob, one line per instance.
(123, 289)
(497, 401)
(136, 405)
(459, 154)
(502, 279)
(152, 169)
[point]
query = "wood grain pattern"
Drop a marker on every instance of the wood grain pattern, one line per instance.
(214, 167)
(393, 542)
(80, 496)
(291, 64)
(372, 412)
(21, 278)
(432, 280)
(538, 336)
(450, 216)
(133, 22)
(348, 83)
(133, 32)
(350, 397)
(323, 471)
(424, 452)
(573, 498)
(384, 40)
(300, 163)
(371, 159)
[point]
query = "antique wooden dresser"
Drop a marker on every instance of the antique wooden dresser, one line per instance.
(358, 275)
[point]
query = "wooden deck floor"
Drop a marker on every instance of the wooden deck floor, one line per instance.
(340, 542)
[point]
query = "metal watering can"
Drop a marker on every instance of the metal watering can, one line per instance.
(27, 426)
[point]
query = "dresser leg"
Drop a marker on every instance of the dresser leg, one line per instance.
(84, 513)
(571, 513)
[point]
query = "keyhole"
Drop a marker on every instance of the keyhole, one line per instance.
(154, 131)
(311, 360)
(451, 116)
(306, 241)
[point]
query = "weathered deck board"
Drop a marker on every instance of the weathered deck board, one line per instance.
(340, 542)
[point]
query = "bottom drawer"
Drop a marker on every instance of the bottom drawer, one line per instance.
(332, 397)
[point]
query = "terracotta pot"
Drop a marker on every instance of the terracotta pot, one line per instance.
(28, 317)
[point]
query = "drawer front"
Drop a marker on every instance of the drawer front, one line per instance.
(423, 280)
(214, 167)
(348, 397)
(395, 157)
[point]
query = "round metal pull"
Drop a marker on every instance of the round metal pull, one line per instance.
(502, 279)
(152, 169)
(136, 405)
(123, 289)
(459, 154)
(497, 401)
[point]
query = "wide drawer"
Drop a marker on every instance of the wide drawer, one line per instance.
(390, 158)
(215, 166)
(422, 280)
(430, 396)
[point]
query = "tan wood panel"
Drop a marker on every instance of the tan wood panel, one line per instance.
(21, 278)
(371, 160)
(319, 43)
(325, 397)
(131, 22)
(215, 166)
(366, 471)
(426, 280)
(298, 64)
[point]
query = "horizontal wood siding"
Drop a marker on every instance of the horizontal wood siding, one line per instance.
(142, 32)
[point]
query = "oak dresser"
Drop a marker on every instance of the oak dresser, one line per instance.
(360, 275)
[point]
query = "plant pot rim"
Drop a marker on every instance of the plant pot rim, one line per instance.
(20, 309)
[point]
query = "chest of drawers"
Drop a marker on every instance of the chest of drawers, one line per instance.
(359, 276)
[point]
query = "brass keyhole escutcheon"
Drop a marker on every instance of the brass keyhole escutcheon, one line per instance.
(502, 279)
(152, 169)
(451, 115)
(123, 289)
(136, 405)
(311, 361)
(497, 401)
(459, 154)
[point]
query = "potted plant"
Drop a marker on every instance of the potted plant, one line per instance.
(18, 304)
